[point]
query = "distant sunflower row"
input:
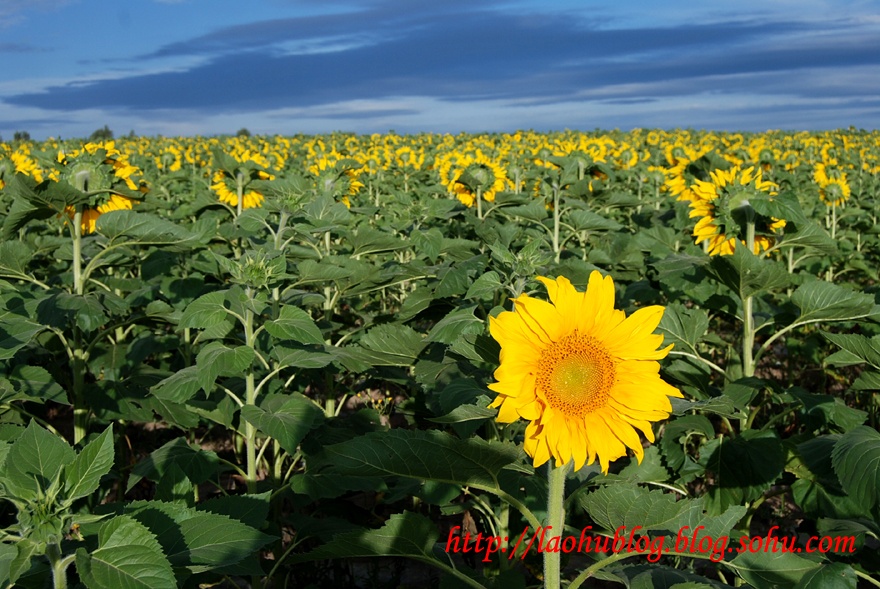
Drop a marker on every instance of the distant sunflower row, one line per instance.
(715, 173)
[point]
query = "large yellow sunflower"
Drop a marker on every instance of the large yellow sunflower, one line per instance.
(585, 375)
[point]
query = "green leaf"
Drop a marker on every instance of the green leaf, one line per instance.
(198, 464)
(535, 211)
(36, 459)
(466, 413)
(721, 405)
(128, 557)
(179, 387)
(835, 575)
(216, 359)
(206, 311)
(32, 200)
(35, 383)
(395, 339)
(175, 486)
(459, 322)
(867, 381)
(403, 534)
(744, 467)
(285, 418)
(780, 570)
(83, 475)
(303, 356)
(485, 286)
(676, 434)
(15, 333)
(856, 460)
(132, 227)
(26, 549)
(783, 206)
(214, 540)
(58, 310)
(590, 221)
(252, 510)
(809, 234)
(868, 349)
(747, 274)
(366, 240)
(683, 327)
(14, 258)
(819, 300)
(295, 324)
(431, 455)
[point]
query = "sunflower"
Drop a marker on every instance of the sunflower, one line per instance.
(834, 188)
(582, 373)
(107, 173)
(720, 204)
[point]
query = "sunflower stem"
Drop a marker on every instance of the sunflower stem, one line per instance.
(556, 223)
(479, 203)
(78, 365)
(748, 345)
(555, 523)
(250, 432)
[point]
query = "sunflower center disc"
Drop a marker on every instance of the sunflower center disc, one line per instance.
(576, 375)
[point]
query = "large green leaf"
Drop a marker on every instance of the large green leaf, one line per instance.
(206, 311)
(819, 300)
(430, 455)
(835, 575)
(779, 570)
(128, 226)
(35, 460)
(459, 322)
(747, 274)
(128, 557)
(295, 324)
(284, 418)
(32, 200)
(212, 539)
(14, 258)
(856, 460)
(868, 349)
(83, 475)
(35, 383)
(684, 327)
(179, 387)
(405, 534)
(217, 359)
(394, 339)
(743, 467)
(252, 510)
(631, 506)
(199, 465)
(15, 333)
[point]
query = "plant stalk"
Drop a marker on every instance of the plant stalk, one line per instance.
(555, 524)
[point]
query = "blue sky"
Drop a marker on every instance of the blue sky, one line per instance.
(187, 67)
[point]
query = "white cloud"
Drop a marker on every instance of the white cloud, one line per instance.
(14, 11)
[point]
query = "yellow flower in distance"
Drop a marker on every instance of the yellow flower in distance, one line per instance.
(581, 372)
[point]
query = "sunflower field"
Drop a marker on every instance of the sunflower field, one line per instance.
(573, 359)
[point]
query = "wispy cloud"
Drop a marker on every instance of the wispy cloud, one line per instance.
(14, 11)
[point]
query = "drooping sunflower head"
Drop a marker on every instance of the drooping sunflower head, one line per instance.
(234, 174)
(723, 206)
(834, 189)
(583, 374)
(337, 177)
(107, 175)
